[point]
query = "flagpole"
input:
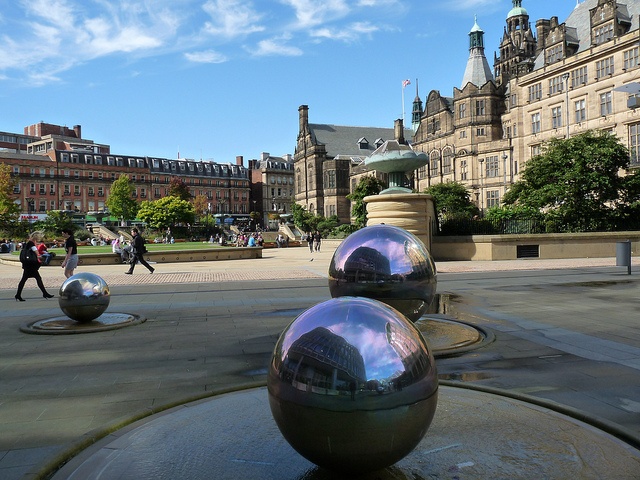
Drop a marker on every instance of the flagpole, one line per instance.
(404, 85)
(403, 104)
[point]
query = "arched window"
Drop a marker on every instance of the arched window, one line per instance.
(434, 159)
(447, 161)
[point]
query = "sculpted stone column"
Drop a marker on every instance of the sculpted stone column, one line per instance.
(413, 212)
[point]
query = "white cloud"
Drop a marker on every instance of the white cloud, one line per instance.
(377, 3)
(348, 33)
(231, 18)
(310, 13)
(276, 46)
(207, 56)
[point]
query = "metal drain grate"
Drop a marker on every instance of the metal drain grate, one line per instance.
(528, 251)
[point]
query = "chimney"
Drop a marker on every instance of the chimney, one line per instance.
(398, 131)
(239, 160)
(78, 131)
(264, 156)
(542, 30)
(303, 110)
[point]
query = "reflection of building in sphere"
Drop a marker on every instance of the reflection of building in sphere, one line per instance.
(321, 359)
(367, 264)
(388, 264)
(352, 385)
(84, 296)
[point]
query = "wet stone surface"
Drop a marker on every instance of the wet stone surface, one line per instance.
(65, 325)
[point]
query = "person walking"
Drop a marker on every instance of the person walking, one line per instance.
(30, 266)
(317, 240)
(70, 261)
(138, 252)
(310, 241)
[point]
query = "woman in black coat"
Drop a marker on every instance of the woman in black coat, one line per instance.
(30, 267)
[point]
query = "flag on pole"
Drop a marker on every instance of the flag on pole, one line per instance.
(405, 83)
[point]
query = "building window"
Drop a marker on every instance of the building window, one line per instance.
(463, 170)
(462, 110)
(555, 85)
(480, 107)
(91, 192)
(67, 190)
(579, 77)
(554, 54)
(606, 107)
(492, 167)
(631, 58)
(603, 33)
(480, 132)
(463, 134)
(556, 117)
(581, 110)
(76, 190)
(535, 122)
(535, 92)
(100, 191)
(634, 143)
(536, 150)
(604, 67)
(76, 174)
(493, 198)
(43, 189)
(434, 160)
(447, 162)
(422, 172)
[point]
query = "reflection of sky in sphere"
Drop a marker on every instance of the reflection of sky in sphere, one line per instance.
(362, 323)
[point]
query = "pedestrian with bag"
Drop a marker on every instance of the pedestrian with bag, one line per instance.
(138, 251)
(30, 267)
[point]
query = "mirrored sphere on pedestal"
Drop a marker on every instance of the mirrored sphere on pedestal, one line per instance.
(352, 385)
(84, 296)
(386, 263)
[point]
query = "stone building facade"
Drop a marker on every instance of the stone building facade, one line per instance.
(561, 80)
(328, 161)
(271, 188)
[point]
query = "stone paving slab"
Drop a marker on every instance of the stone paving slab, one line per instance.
(200, 337)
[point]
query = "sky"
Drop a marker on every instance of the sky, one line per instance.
(215, 79)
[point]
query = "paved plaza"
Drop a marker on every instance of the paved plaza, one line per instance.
(565, 332)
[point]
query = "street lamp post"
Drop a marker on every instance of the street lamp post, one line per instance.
(481, 160)
(565, 77)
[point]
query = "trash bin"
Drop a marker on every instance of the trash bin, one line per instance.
(623, 254)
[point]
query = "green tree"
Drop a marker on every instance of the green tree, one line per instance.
(55, 222)
(166, 212)
(9, 209)
(304, 220)
(577, 182)
(452, 200)
(177, 188)
(120, 201)
(368, 185)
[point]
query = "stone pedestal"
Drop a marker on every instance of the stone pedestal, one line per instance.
(412, 211)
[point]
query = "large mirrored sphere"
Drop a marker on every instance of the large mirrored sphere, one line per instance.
(386, 263)
(84, 296)
(352, 385)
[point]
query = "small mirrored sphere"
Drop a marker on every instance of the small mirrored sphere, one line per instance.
(84, 296)
(387, 263)
(352, 385)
